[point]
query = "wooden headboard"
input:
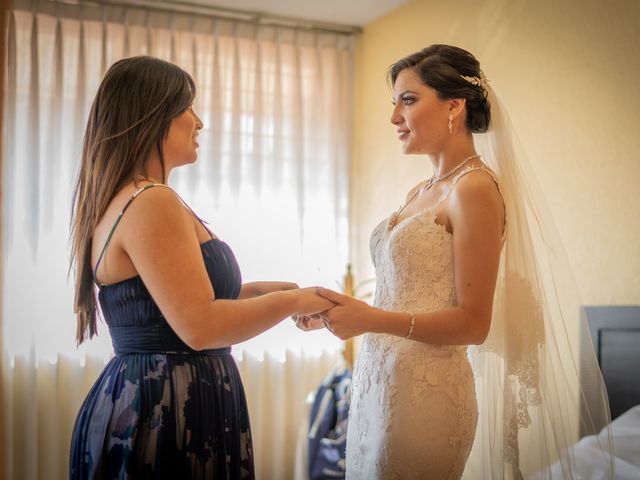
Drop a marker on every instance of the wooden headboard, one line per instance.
(615, 331)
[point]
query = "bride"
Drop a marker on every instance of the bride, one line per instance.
(465, 346)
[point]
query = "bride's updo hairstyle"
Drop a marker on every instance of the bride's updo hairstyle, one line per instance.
(443, 68)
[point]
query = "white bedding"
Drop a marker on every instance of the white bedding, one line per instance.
(625, 431)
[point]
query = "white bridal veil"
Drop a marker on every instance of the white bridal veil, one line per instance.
(538, 384)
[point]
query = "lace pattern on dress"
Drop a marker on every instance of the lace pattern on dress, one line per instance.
(404, 385)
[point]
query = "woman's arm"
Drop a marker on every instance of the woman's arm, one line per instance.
(159, 236)
(476, 216)
(256, 289)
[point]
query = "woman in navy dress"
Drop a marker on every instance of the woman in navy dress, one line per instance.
(170, 404)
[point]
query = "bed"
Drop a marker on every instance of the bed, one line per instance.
(615, 332)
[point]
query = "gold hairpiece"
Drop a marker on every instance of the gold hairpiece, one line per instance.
(481, 81)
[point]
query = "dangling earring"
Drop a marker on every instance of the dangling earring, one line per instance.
(451, 123)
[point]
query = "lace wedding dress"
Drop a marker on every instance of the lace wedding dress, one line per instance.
(413, 408)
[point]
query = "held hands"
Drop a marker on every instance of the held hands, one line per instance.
(309, 322)
(348, 317)
(309, 303)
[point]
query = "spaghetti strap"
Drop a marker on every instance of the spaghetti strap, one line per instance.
(202, 222)
(115, 224)
(467, 171)
(133, 197)
(462, 174)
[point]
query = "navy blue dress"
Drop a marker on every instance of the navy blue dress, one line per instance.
(160, 409)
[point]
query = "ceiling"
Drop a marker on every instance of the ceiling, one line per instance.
(342, 12)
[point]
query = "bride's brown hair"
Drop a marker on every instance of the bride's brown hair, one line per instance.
(129, 118)
(441, 67)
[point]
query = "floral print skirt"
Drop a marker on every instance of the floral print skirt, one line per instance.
(163, 415)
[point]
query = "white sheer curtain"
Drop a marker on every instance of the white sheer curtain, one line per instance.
(271, 179)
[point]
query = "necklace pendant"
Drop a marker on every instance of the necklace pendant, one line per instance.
(424, 186)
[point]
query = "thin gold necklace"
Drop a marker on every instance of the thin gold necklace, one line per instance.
(426, 185)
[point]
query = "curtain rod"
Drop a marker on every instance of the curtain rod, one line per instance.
(225, 13)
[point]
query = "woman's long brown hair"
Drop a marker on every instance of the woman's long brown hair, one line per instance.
(129, 118)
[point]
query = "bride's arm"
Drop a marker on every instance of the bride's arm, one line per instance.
(476, 217)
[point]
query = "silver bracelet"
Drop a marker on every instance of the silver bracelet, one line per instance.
(411, 325)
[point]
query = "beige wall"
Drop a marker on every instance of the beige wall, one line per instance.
(569, 73)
